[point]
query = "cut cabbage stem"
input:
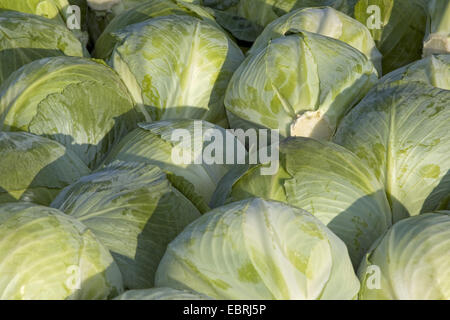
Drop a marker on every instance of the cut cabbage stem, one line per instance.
(312, 124)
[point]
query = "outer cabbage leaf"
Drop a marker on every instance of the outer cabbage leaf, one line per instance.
(178, 67)
(398, 28)
(400, 130)
(328, 181)
(78, 102)
(410, 262)
(156, 144)
(147, 10)
(434, 70)
(35, 169)
(305, 95)
(256, 249)
(25, 38)
(326, 21)
(134, 210)
(437, 38)
(161, 294)
(47, 255)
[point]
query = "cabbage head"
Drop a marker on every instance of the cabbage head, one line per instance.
(400, 131)
(78, 102)
(47, 255)
(326, 180)
(134, 210)
(325, 21)
(226, 14)
(177, 66)
(25, 38)
(56, 10)
(433, 70)
(157, 143)
(146, 10)
(410, 262)
(259, 250)
(305, 95)
(398, 28)
(161, 294)
(437, 38)
(113, 5)
(35, 169)
(102, 12)
(263, 12)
